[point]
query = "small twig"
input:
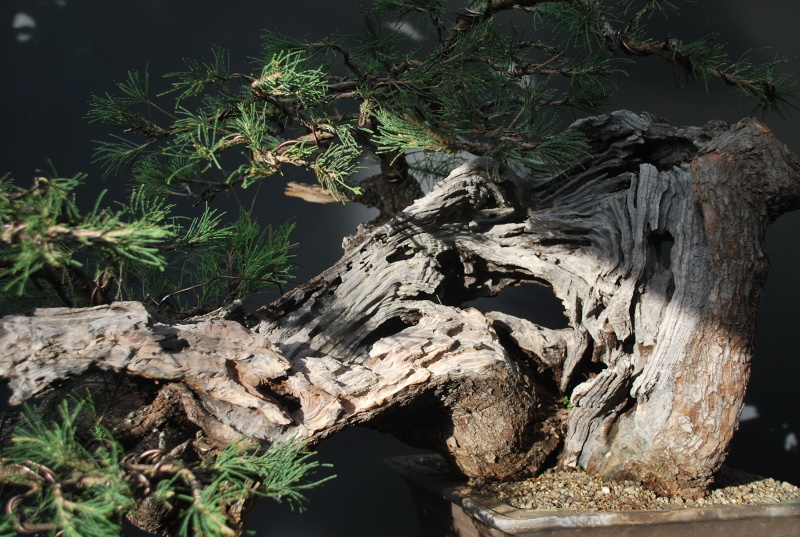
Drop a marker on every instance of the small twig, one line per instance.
(212, 280)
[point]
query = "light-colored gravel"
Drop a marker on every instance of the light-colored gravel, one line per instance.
(575, 489)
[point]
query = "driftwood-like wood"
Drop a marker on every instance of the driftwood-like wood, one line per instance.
(654, 244)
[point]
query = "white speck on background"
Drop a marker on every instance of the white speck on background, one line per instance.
(23, 20)
(407, 29)
(749, 412)
(790, 443)
(25, 23)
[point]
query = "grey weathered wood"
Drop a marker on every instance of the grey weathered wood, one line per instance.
(654, 245)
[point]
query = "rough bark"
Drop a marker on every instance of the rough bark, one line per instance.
(654, 244)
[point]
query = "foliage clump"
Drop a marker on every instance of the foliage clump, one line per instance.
(71, 477)
(140, 251)
(471, 84)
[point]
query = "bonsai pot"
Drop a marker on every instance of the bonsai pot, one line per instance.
(449, 508)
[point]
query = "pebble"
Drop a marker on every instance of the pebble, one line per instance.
(574, 489)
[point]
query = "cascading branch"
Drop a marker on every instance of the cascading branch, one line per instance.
(467, 84)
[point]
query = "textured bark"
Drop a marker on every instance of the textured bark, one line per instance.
(654, 245)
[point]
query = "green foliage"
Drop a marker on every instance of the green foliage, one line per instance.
(402, 7)
(44, 232)
(63, 481)
(408, 133)
(473, 86)
(138, 251)
(72, 489)
(115, 110)
(238, 464)
(574, 23)
(288, 76)
(198, 75)
(254, 114)
(210, 265)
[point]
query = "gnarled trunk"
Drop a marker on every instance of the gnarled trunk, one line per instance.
(654, 244)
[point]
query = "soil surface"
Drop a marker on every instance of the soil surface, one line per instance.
(575, 489)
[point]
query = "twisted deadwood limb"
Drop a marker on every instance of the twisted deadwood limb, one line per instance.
(654, 244)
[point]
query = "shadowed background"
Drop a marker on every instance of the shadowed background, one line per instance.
(55, 53)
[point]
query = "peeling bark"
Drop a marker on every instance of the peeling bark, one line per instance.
(654, 244)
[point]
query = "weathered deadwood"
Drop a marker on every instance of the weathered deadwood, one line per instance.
(654, 244)
(221, 362)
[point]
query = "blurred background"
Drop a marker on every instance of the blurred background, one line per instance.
(55, 53)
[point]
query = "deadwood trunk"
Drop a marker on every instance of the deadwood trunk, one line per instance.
(654, 244)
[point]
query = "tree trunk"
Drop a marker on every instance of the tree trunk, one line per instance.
(654, 244)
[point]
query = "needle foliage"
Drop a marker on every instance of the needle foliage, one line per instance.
(139, 250)
(418, 88)
(70, 477)
(417, 80)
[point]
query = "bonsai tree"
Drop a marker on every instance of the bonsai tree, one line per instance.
(651, 235)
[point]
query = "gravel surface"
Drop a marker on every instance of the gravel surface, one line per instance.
(575, 489)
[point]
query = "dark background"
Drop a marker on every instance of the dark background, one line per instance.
(80, 47)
